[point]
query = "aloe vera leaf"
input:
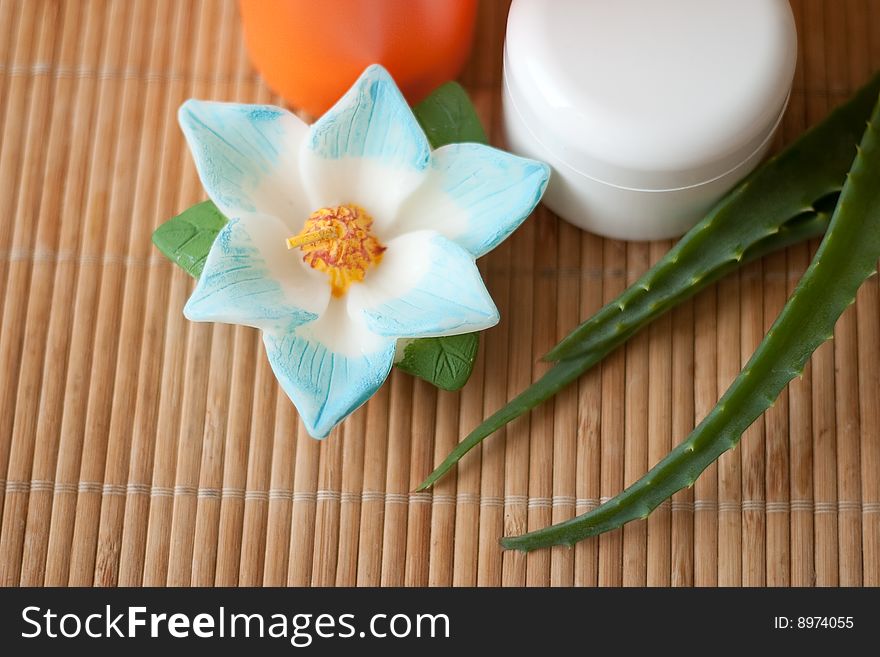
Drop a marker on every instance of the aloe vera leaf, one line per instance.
(847, 256)
(609, 328)
(787, 185)
(566, 371)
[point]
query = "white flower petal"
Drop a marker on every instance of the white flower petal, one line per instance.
(475, 195)
(329, 368)
(247, 157)
(368, 149)
(251, 278)
(424, 286)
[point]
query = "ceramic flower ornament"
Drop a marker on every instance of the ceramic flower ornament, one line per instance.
(347, 236)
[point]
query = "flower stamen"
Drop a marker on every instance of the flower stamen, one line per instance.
(339, 241)
(310, 238)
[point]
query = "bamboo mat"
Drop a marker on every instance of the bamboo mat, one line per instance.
(139, 448)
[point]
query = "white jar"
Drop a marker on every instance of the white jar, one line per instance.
(647, 110)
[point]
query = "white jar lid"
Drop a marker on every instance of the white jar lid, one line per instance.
(651, 94)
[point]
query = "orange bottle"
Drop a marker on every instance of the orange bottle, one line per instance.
(311, 51)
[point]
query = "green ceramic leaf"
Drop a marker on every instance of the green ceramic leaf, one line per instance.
(446, 362)
(447, 117)
(187, 238)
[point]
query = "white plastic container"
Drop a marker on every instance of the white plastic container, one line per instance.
(647, 110)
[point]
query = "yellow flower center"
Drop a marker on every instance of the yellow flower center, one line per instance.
(339, 241)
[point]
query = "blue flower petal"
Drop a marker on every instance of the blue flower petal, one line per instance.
(240, 283)
(426, 285)
(475, 195)
(246, 156)
(372, 120)
(325, 385)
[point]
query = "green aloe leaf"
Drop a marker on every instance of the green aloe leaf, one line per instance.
(846, 258)
(788, 199)
(447, 116)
